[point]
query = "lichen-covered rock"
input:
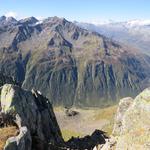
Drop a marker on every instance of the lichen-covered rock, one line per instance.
(135, 130)
(32, 111)
(122, 108)
(132, 124)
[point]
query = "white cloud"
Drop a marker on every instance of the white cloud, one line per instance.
(138, 22)
(98, 21)
(11, 14)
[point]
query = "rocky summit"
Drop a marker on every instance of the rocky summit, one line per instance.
(68, 64)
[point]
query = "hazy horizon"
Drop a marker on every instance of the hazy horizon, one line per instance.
(82, 11)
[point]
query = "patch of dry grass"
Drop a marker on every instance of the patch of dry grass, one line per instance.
(5, 133)
(106, 113)
(86, 122)
(67, 134)
(58, 109)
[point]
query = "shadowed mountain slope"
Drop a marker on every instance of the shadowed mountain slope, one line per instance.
(68, 64)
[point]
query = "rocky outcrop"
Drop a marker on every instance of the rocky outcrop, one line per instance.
(38, 128)
(34, 118)
(135, 130)
(132, 124)
(71, 113)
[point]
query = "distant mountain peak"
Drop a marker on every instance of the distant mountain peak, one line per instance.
(55, 19)
(11, 19)
(29, 20)
(7, 20)
(2, 18)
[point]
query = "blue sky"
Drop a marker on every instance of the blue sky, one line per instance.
(80, 10)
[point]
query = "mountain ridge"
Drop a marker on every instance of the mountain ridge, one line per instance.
(71, 65)
(134, 33)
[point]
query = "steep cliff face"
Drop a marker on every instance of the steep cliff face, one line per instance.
(33, 116)
(70, 65)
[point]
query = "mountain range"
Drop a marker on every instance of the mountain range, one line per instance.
(135, 33)
(69, 64)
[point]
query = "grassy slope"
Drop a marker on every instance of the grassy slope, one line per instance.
(5, 133)
(88, 120)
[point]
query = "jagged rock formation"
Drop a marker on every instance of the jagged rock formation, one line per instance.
(34, 118)
(87, 142)
(132, 127)
(68, 64)
(37, 127)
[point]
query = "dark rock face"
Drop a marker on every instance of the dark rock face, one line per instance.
(6, 79)
(87, 142)
(70, 65)
(34, 118)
